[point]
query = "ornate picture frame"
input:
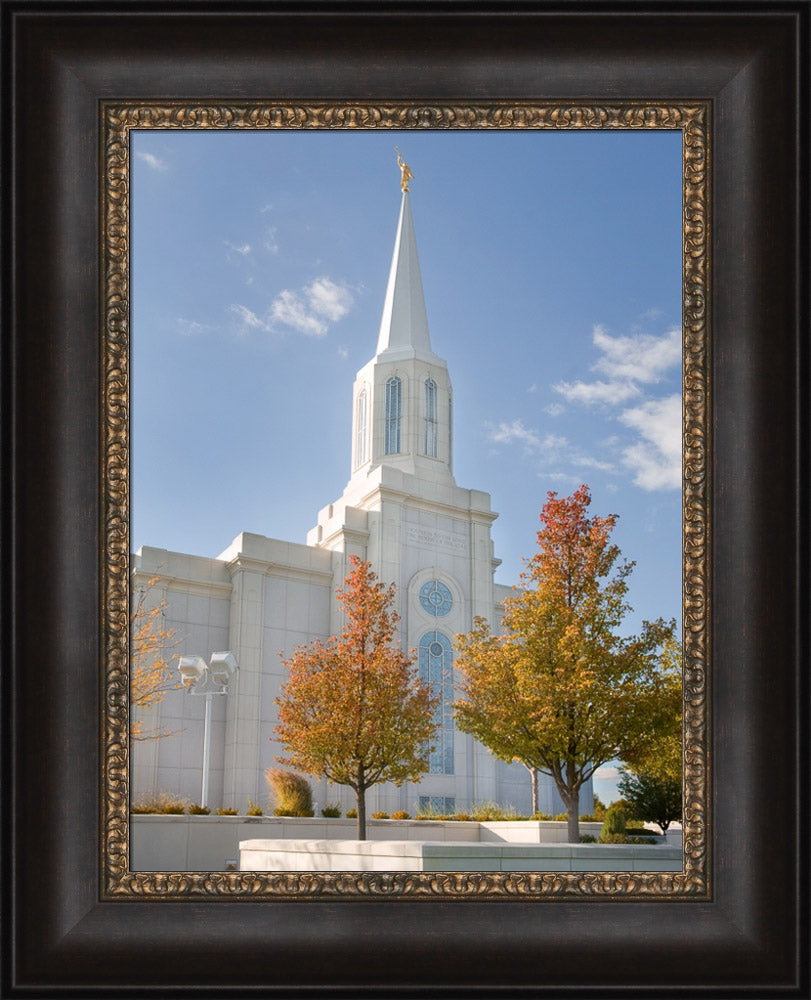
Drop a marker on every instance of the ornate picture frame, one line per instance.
(693, 123)
(69, 554)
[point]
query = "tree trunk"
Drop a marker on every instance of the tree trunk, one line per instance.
(572, 803)
(533, 773)
(573, 821)
(360, 798)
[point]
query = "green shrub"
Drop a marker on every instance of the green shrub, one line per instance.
(586, 838)
(291, 792)
(543, 816)
(400, 814)
(351, 813)
(226, 812)
(331, 811)
(253, 808)
(195, 810)
(462, 817)
(613, 838)
(380, 815)
(613, 824)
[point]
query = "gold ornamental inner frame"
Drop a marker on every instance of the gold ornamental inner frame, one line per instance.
(118, 119)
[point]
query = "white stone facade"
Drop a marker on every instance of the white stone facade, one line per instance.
(261, 598)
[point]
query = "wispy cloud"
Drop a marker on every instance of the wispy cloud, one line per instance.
(554, 409)
(328, 299)
(641, 358)
(152, 161)
(250, 319)
(516, 433)
(243, 249)
(597, 393)
(270, 242)
(309, 311)
(607, 773)
(190, 327)
(656, 459)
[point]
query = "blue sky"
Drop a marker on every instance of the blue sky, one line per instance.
(551, 264)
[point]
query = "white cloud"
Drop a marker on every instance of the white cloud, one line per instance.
(516, 432)
(270, 242)
(656, 458)
(328, 299)
(641, 358)
(189, 327)
(310, 310)
(243, 249)
(289, 310)
(343, 353)
(533, 387)
(597, 393)
(606, 773)
(249, 318)
(152, 161)
(554, 409)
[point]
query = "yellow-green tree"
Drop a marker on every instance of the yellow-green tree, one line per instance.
(561, 691)
(151, 674)
(353, 709)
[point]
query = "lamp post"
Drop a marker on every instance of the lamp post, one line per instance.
(207, 680)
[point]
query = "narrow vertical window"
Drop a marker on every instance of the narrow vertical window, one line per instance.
(430, 418)
(394, 392)
(436, 667)
(361, 429)
(450, 432)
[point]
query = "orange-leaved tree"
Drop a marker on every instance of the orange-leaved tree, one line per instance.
(353, 709)
(151, 673)
(561, 691)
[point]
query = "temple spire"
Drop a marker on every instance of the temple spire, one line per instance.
(404, 325)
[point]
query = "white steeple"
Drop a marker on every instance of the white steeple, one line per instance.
(404, 325)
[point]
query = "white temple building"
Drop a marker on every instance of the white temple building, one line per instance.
(261, 598)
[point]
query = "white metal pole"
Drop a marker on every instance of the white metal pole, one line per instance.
(206, 748)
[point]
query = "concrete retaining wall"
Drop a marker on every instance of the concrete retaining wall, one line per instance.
(448, 856)
(211, 843)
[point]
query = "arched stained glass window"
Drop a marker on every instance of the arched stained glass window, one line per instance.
(436, 667)
(361, 428)
(430, 418)
(394, 404)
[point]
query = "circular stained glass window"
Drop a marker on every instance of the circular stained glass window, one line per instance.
(435, 598)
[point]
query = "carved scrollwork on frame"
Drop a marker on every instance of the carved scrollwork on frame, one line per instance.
(693, 882)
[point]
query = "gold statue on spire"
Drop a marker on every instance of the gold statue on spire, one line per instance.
(407, 175)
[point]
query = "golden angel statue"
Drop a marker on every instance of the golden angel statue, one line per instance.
(407, 175)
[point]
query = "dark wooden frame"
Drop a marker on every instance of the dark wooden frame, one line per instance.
(59, 60)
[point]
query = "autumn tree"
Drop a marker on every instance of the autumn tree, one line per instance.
(561, 691)
(151, 673)
(353, 709)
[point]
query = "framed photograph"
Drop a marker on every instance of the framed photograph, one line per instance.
(124, 93)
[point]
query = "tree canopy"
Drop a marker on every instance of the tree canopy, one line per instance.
(561, 690)
(353, 709)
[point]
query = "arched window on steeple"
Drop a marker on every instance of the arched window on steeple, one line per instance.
(430, 418)
(361, 428)
(450, 432)
(394, 404)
